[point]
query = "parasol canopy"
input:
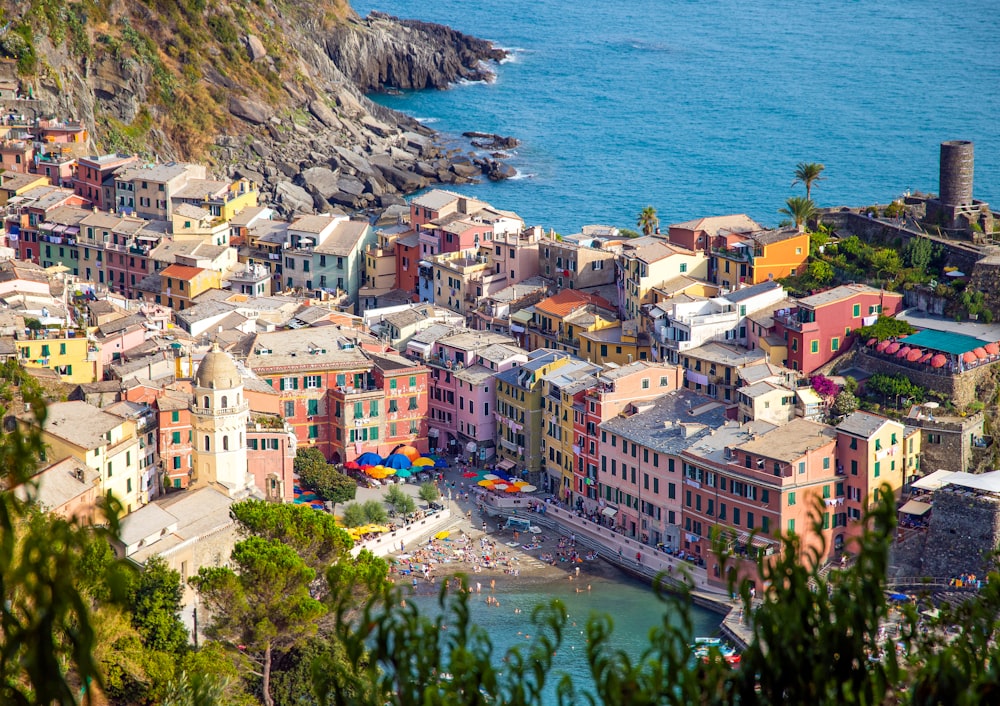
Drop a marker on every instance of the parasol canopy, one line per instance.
(491, 476)
(398, 461)
(872, 341)
(486, 483)
(903, 352)
(927, 357)
(423, 461)
(499, 485)
(892, 348)
(992, 348)
(369, 458)
(408, 451)
(981, 353)
(939, 360)
(512, 489)
(528, 489)
(352, 465)
(404, 473)
(914, 355)
(440, 463)
(444, 534)
(969, 357)
(469, 474)
(882, 346)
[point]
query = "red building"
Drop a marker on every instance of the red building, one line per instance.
(175, 438)
(95, 178)
(407, 251)
(814, 331)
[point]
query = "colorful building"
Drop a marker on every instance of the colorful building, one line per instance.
(739, 258)
(647, 262)
(65, 351)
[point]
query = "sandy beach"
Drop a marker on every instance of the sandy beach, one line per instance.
(489, 556)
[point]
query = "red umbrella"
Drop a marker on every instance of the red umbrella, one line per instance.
(981, 353)
(892, 348)
(903, 352)
(352, 465)
(872, 341)
(469, 474)
(992, 348)
(882, 346)
(969, 357)
(914, 355)
(927, 358)
(938, 361)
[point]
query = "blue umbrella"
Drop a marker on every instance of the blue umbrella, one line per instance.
(898, 597)
(369, 458)
(440, 463)
(397, 461)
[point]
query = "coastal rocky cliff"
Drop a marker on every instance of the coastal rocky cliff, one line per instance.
(276, 95)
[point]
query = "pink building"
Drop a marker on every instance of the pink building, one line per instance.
(515, 254)
(615, 389)
(477, 397)
(270, 456)
(118, 337)
(457, 407)
(95, 178)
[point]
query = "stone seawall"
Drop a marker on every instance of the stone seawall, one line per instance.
(964, 532)
(961, 388)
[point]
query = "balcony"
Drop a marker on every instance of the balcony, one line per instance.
(238, 409)
(794, 322)
(740, 254)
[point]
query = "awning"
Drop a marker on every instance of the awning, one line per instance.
(506, 465)
(521, 317)
(934, 481)
(916, 508)
(609, 511)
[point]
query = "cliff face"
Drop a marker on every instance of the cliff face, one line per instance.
(274, 92)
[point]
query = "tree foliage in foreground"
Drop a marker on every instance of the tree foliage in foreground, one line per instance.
(815, 640)
(322, 478)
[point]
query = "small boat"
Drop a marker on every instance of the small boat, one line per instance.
(702, 649)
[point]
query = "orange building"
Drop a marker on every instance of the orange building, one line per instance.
(752, 258)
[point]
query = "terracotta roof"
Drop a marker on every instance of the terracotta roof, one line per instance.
(184, 272)
(569, 299)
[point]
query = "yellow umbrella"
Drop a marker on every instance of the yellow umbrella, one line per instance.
(521, 483)
(390, 471)
(486, 483)
(442, 535)
(424, 461)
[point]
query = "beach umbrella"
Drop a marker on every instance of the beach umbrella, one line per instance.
(892, 348)
(528, 489)
(491, 476)
(914, 355)
(512, 489)
(981, 353)
(404, 473)
(903, 352)
(521, 483)
(469, 474)
(882, 346)
(352, 465)
(871, 342)
(408, 451)
(423, 461)
(992, 348)
(444, 534)
(390, 471)
(927, 357)
(398, 461)
(500, 486)
(486, 483)
(939, 360)
(969, 357)
(440, 463)
(369, 459)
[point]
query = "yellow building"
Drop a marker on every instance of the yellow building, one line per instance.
(189, 222)
(15, 183)
(180, 284)
(558, 322)
(461, 278)
(649, 262)
(519, 411)
(757, 257)
(104, 442)
(621, 344)
(66, 351)
(560, 448)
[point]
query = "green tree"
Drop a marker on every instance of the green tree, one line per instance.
(321, 477)
(429, 492)
(884, 328)
(313, 535)
(820, 272)
(394, 495)
(886, 261)
(406, 506)
(353, 515)
(808, 173)
(155, 602)
(375, 512)
(800, 210)
(263, 605)
(648, 220)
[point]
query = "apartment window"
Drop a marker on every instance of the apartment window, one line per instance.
(313, 408)
(208, 443)
(413, 381)
(791, 526)
(814, 346)
(176, 437)
(358, 413)
(373, 408)
(684, 267)
(857, 311)
(393, 407)
(645, 383)
(791, 499)
(854, 443)
(313, 382)
(835, 344)
(289, 409)
(826, 463)
(736, 516)
(177, 463)
(175, 416)
(313, 431)
(802, 467)
(878, 468)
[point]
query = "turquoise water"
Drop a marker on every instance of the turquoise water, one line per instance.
(633, 606)
(702, 108)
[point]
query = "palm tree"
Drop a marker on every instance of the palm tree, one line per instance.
(808, 173)
(800, 208)
(648, 220)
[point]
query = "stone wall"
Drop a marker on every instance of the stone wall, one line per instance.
(953, 451)
(961, 387)
(964, 531)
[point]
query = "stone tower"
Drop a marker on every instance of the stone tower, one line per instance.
(219, 415)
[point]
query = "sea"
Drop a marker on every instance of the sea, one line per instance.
(633, 607)
(704, 108)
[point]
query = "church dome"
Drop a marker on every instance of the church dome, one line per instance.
(218, 371)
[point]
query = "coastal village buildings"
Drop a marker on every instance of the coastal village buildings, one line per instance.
(752, 258)
(646, 262)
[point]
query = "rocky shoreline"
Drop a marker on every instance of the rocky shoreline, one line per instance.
(344, 152)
